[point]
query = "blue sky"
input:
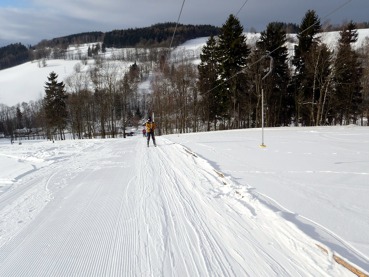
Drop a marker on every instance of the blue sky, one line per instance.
(12, 3)
(30, 21)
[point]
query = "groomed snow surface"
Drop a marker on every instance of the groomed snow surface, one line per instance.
(205, 204)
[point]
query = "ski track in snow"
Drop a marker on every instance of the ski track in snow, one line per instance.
(136, 211)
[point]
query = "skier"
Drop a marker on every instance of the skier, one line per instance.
(150, 127)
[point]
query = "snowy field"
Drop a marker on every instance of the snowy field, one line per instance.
(207, 204)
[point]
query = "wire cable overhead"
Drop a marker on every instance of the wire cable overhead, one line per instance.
(242, 7)
(175, 29)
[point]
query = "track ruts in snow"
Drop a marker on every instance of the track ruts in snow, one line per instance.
(123, 209)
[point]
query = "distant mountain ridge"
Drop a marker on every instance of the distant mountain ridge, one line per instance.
(63, 42)
(160, 34)
(157, 35)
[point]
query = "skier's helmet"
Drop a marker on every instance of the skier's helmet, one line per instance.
(149, 119)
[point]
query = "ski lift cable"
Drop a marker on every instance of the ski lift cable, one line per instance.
(239, 10)
(180, 13)
(179, 16)
(175, 29)
(242, 7)
(274, 50)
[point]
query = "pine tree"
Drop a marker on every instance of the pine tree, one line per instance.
(55, 106)
(303, 79)
(365, 82)
(309, 27)
(208, 83)
(89, 52)
(348, 72)
(277, 99)
(19, 115)
(232, 56)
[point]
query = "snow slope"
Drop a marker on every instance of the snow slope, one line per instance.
(25, 82)
(317, 177)
(117, 208)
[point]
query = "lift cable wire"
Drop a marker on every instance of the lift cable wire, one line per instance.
(174, 32)
(175, 29)
(242, 7)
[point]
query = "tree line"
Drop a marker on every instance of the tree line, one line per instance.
(315, 86)
(157, 35)
(310, 84)
(153, 36)
(64, 42)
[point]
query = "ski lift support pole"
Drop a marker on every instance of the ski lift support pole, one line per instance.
(262, 100)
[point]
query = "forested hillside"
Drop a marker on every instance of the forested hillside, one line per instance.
(64, 42)
(12, 55)
(153, 36)
(157, 35)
